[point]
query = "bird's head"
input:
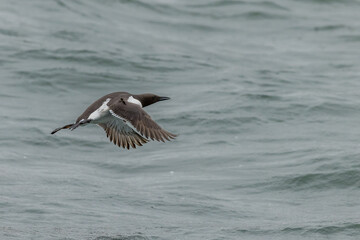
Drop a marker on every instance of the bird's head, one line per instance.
(147, 99)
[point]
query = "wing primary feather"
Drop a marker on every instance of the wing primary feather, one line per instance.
(114, 134)
(117, 139)
(126, 142)
(162, 137)
(118, 142)
(114, 137)
(172, 136)
(158, 136)
(152, 134)
(140, 129)
(136, 140)
(141, 140)
(143, 131)
(149, 133)
(165, 135)
(111, 134)
(122, 141)
(146, 131)
(132, 142)
(144, 140)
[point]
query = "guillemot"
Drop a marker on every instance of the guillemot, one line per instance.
(122, 117)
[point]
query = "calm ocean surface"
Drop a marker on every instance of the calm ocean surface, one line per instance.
(265, 97)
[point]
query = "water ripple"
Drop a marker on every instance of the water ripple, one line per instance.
(319, 181)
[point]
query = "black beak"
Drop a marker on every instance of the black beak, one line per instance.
(163, 98)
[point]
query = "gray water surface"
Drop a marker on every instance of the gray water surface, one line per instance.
(264, 96)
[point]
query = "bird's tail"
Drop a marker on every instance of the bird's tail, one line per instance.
(71, 126)
(64, 127)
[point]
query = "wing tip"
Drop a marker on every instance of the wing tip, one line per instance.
(161, 136)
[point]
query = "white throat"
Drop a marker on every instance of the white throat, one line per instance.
(134, 100)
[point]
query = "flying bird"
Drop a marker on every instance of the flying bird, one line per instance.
(122, 117)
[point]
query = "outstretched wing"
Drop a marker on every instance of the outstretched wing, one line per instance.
(137, 118)
(121, 134)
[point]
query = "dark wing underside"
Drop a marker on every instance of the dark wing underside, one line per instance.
(122, 135)
(140, 120)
